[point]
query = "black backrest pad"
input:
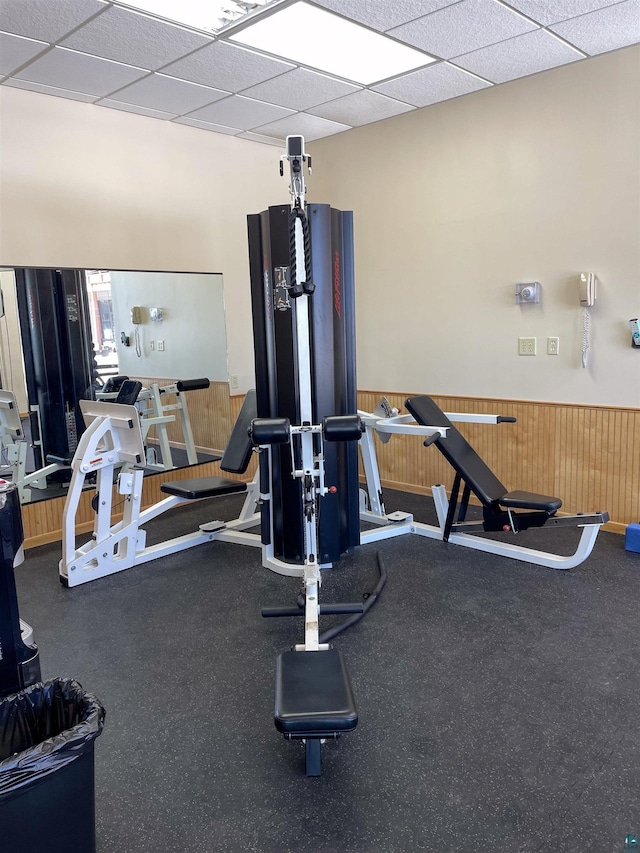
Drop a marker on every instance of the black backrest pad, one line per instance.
(237, 456)
(457, 451)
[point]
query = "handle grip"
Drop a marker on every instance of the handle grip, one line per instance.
(431, 439)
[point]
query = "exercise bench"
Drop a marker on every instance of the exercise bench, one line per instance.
(502, 510)
(314, 701)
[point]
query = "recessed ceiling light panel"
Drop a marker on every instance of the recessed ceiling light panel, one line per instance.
(319, 39)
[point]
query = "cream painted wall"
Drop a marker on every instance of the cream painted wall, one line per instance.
(456, 203)
(89, 187)
(534, 180)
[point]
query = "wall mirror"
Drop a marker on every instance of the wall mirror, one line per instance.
(72, 334)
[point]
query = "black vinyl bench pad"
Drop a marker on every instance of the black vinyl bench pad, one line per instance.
(313, 694)
(203, 487)
(529, 500)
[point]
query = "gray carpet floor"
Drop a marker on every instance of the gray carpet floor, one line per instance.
(498, 702)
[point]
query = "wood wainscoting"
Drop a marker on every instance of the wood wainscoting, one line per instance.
(587, 455)
(209, 413)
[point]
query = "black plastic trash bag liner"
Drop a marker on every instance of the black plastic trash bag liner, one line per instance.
(43, 728)
(47, 800)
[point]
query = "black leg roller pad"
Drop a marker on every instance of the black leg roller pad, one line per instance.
(314, 700)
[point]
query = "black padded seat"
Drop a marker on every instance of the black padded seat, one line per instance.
(529, 500)
(203, 487)
(313, 695)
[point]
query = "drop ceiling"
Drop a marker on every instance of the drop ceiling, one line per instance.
(106, 54)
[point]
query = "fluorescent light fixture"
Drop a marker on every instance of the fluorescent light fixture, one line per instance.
(317, 38)
(210, 15)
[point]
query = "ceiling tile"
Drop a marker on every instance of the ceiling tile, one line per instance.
(259, 137)
(133, 108)
(16, 50)
(518, 57)
(225, 66)
(551, 11)
(207, 125)
(431, 85)
(126, 36)
(300, 89)
(463, 27)
(49, 90)
(237, 111)
(361, 108)
(159, 92)
(381, 14)
(302, 124)
(46, 19)
(79, 72)
(608, 29)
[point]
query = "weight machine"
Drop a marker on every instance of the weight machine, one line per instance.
(113, 440)
(302, 285)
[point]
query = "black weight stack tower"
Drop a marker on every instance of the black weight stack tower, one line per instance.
(332, 370)
(58, 356)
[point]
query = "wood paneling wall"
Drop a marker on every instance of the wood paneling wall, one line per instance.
(587, 455)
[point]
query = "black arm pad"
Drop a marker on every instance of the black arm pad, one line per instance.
(192, 384)
(342, 428)
(128, 393)
(505, 419)
(269, 431)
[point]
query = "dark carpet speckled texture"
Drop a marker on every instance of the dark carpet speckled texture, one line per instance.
(499, 702)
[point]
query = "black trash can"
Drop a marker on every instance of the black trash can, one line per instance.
(47, 794)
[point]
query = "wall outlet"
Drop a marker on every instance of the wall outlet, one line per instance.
(553, 346)
(527, 346)
(160, 346)
(234, 381)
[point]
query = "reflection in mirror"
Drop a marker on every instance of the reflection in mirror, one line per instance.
(157, 339)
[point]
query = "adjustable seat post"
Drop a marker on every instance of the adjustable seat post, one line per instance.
(453, 501)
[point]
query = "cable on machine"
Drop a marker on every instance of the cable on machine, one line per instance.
(368, 604)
